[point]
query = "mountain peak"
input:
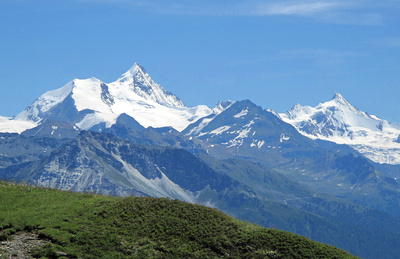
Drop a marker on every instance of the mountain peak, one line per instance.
(138, 68)
(132, 72)
(139, 81)
(337, 95)
(340, 99)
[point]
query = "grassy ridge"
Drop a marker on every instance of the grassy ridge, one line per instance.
(94, 226)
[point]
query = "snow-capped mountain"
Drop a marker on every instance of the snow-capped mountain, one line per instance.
(90, 102)
(339, 121)
(152, 144)
(137, 80)
(246, 130)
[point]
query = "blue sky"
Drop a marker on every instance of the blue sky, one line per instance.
(275, 53)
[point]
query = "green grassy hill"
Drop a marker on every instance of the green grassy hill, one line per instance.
(95, 226)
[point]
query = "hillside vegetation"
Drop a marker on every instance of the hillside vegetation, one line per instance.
(95, 226)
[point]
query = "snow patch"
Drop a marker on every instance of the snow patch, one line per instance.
(241, 114)
(220, 130)
(283, 138)
(54, 128)
(204, 122)
(243, 133)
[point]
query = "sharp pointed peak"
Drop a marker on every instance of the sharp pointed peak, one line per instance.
(133, 71)
(136, 67)
(136, 79)
(297, 106)
(338, 98)
(341, 101)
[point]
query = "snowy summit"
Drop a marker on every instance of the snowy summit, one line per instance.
(341, 122)
(90, 102)
(137, 80)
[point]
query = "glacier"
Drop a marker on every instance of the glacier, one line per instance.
(90, 102)
(341, 122)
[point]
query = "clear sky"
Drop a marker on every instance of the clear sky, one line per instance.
(275, 53)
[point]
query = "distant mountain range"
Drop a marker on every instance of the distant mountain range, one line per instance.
(91, 102)
(342, 123)
(329, 173)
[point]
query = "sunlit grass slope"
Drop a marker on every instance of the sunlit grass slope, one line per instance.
(94, 226)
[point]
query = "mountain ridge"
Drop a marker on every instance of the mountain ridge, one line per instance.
(341, 122)
(89, 102)
(100, 137)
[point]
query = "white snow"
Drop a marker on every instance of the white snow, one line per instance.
(137, 80)
(15, 125)
(135, 94)
(343, 123)
(283, 138)
(257, 143)
(203, 123)
(241, 134)
(54, 128)
(220, 130)
(45, 102)
(87, 95)
(241, 114)
(95, 118)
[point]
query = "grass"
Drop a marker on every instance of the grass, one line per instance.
(95, 226)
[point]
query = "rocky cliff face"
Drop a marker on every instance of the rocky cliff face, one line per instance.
(102, 163)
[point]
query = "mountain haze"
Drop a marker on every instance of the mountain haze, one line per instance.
(133, 137)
